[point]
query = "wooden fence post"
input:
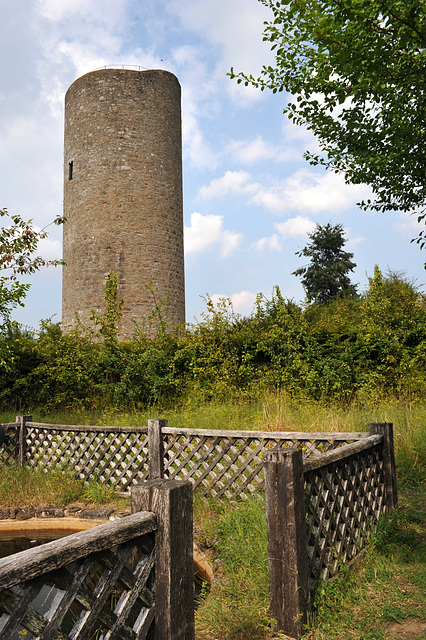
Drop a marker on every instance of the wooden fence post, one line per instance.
(155, 448)
(22, 438)
(171, 501)
(287, 540)
(389, 472)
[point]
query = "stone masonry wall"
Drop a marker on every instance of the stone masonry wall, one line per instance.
(123, 194)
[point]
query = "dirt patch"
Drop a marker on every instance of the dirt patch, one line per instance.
(412, 630)
(57, 520)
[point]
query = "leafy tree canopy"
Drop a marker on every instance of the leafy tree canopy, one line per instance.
(357, 71)
(18, 246)
(326, 277)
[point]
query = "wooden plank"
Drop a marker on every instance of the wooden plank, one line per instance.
(246, 482)
(79, 427)
(212, 451)
(342, 452)
(281, 435)
(171, 501)
(20, 611)
(71, 592)
(386, 430)
(287, 541)
(129, 600)
(178, 451)
(22, 455)
(342, 500)
(88, 619)
(28, 564)
(32, 621)
(127, 458)
(155, 446)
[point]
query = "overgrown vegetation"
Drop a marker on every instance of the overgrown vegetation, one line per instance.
(234, 536)
(34, 487)
(368, 347)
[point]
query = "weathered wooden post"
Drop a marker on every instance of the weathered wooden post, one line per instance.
(22, 438)
(287, 540)
(389, 472)
(171, 501)
(155, 447)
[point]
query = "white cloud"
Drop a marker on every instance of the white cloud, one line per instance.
(235, 28)
(242, 47)
(310, 192)
(291, 228)
(251, 151)
(316, 192)
(242, 302)
(270, 199)
(195, 147)
(198, 100)
(111, 16)
(50, 249)
(207, 231)
(294, 227)
(353, 242)
(408, 225)
(304, 190)
(272, 243)
(230, 241)
(233, 182)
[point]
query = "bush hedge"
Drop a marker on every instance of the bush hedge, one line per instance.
(373, 344)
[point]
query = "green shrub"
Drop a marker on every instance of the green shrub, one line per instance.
(373, 347)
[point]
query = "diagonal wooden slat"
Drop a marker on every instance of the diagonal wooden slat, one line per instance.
(82, 593)
(69, 595)
(343, 499)
(21, 610)
(208, 458)
(125, 607)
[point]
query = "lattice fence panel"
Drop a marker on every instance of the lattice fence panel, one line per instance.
(221, 463)
(342, 499)
(107, 595)
(232, 465)
(118, 458)
(9, 450)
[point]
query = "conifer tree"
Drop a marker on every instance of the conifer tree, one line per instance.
(326, 277)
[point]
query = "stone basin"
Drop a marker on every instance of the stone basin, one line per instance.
(45, 529)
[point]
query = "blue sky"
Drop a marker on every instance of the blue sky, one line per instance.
(249, 196)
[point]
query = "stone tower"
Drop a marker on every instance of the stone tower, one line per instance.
(123, 195)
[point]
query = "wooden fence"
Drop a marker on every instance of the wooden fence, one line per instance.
(125, 580)
(319, 514)
(219, 463)
(324, 491)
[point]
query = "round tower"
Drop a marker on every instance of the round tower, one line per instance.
(123, 196)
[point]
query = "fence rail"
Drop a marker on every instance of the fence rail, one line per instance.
(111, 582)
(217, 462)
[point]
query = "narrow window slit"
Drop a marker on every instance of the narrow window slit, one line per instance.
(70, 169)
